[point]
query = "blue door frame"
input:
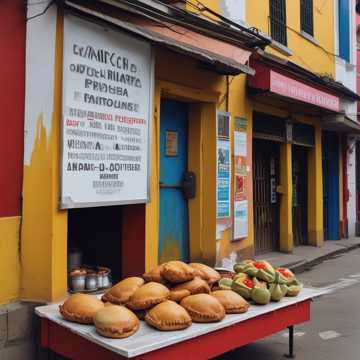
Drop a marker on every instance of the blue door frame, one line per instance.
(173, 227)
(330, 147)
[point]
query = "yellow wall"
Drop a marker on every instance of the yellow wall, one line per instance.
(304, 51)
(44, 227)
(9, 259)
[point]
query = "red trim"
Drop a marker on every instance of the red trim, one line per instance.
(66, 343)
(133, 240)
(289, 87)
(12, 80)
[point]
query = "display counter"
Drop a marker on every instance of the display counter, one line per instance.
(200, 341)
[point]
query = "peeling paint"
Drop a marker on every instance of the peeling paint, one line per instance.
(40, 62)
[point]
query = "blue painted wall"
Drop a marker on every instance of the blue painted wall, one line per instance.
(173, 232)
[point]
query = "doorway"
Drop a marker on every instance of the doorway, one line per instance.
(330, 146)
(266, 177)
(299, 194)
(95, 234)
(174, 217)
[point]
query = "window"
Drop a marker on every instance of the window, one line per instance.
(306, 16)
(278, 21)
(344, 29)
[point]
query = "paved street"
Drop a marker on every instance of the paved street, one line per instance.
(334, 330)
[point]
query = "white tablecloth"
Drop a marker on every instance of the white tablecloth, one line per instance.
(148, 339)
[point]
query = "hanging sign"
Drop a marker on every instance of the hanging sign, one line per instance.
(107, 99)
(223, 166)
(240, 193)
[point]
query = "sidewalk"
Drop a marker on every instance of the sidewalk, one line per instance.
(304, 257)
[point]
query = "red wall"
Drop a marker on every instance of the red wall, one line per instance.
(358, 63)
(12, 93)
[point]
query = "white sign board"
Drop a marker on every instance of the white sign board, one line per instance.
(107, 101)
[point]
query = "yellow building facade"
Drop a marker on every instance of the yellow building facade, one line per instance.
(314, 53)
(45, 228)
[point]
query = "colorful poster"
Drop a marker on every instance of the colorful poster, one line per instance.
(223, 178)
(107, 104)
(240, 177)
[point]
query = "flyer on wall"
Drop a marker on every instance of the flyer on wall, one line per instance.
(223, 174)
(240, 228)
(107, 97)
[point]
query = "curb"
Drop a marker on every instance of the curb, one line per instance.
(306, 265)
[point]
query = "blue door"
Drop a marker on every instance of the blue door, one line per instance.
(330, 145)
(173, 232)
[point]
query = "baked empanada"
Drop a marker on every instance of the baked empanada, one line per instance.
(80, 308)
(178, 295)
(120, 293)
(195, 286)
(155, 275)
(148, 295)
(232, 302)
(177, 272)
(203, 308)
(205, 272)
(168, 316)
(116, 322)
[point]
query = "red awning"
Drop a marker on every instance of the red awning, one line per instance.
(288, 88)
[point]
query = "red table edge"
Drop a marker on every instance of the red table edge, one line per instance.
(68, 344)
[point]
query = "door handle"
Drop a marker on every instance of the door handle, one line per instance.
(189, 185)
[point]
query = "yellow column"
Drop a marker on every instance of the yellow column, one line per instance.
(44, 227)
(315, 192)
(286, 232)
(152, 207)
(208, 193)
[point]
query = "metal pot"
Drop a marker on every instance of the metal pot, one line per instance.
(77, 282)
(91, 282)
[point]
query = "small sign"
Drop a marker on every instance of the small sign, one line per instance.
(171, 143)
(273, 195)
(223, 125)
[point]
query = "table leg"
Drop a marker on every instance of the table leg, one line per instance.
(291, 354)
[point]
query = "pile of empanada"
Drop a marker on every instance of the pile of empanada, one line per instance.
(169, 297)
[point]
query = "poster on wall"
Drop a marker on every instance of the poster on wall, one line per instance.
(223, 173)
(240, 175)
(107, 100)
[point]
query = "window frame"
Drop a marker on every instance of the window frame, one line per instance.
(278, 28)
(307, 13)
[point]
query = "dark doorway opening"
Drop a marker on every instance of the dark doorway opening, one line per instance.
(95, 234)
(300, 194)
(330, 147)
(266, 175)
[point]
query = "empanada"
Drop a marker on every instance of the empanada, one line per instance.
(120, 293)
(80, 308)
(178, 295)
(168, 316)
(203, 308)
(232, 302)
(148, 295)
(155, 275)
(195, 286)
(116, 322)
(177, 272)
(205, 272)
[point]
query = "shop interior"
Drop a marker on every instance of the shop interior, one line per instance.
(94, 247)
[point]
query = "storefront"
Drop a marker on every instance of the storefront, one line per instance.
(287, 154)
(120, 162)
